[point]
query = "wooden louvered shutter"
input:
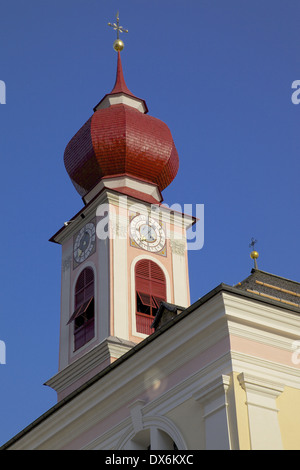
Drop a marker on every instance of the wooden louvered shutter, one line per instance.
(84, 287)
(150, 285)
(142, 276)
(83, 317)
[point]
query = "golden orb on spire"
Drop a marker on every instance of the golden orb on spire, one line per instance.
(118, 45)
(254, 254)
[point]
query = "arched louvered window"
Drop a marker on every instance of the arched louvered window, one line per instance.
(83, 316)
(150, 286)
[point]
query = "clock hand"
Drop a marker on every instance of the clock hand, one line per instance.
(84, 241)
(150, 237)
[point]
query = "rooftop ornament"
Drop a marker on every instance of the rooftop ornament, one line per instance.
(254, 254)
(118, 43)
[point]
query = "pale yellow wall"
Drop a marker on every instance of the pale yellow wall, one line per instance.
(241, 414)
(288, 404)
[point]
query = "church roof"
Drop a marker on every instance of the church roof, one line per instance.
(271, 287)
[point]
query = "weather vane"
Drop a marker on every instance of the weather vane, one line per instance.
(254, 254)
(118, 44)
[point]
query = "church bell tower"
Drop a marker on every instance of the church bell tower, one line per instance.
(124, 252)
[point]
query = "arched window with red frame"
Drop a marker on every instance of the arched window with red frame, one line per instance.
(83, 317)
(150, 287)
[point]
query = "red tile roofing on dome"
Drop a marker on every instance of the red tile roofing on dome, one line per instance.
(120, 139)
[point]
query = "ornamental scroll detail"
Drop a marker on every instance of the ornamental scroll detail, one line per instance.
(178, 247)
(66, 263)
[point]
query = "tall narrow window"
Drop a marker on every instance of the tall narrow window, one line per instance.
(84, 315)
(150, 286)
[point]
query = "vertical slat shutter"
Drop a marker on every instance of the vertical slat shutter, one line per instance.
(150, 279)
(150, 285)
(83, 316)
(84, 287)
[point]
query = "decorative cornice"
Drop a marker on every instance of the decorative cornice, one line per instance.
(213, 389)
(265, 318)
(263, 387)
(265, 369)
(110, 347)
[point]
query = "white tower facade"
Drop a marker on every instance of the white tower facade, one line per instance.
(125, 253)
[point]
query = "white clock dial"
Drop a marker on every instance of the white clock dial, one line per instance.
(147, 233)
(84, 242)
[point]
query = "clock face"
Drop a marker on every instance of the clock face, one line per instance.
(147, 233)
(84, 244)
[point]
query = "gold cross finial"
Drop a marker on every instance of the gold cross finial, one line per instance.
(118, 44)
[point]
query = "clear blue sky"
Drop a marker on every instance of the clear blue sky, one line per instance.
(218, 72)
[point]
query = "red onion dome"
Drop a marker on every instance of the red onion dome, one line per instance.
(120, 138)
